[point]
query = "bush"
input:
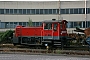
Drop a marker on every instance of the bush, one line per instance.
(5, 36)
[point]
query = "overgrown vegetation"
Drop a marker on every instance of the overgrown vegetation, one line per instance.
(6, 37)
(78, 39)
(30, 22)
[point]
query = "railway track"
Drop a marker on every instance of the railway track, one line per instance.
(72, 47)
(9, 48)
(43, 51)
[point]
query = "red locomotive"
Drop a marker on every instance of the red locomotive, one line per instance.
(51, 33)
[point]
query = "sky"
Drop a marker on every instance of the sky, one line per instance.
(43, 0)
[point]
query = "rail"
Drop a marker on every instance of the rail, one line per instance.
(9, 48)
(40, 51)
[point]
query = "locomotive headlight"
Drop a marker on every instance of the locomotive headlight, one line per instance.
(46, 44)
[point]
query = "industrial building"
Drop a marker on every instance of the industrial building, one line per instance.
(13, 13)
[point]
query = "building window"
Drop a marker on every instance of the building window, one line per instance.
(1, 11)
(7, 25)
(62, 11)
(75, 11)
(33, 23)
(32, 11)
(24, 11)
(19, 11)
(80, 11)
(86, 10)
(78, 24)
(2, 24)
(41, 11)
(83, 10)
(37, 11)
(24, 23)
(28, 11)
(67, 11)
(40, 23)
(6, 11)
(15, 11)
(88, 25)
(11, 25)
(54, 11)
(45, 11)
(37, 23)
(50, 11)
(89, 10)
(71, 11)
(70, 25)
(83, 24)
(11, 11)
(20, 23)
(58, 11)
(15, 24)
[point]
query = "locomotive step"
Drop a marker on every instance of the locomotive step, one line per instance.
(47, 41)
(57, 44)
(31, 44)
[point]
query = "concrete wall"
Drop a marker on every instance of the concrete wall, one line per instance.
(42, 5)
(72, 4)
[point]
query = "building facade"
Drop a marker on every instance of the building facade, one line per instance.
(13, 13)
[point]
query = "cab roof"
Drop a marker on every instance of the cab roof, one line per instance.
(50, 21)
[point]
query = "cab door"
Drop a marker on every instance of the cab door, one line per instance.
(56, 31)
(48, 31)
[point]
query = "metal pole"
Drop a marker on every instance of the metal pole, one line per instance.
(59, 16)
(85, 16)
(59, 11)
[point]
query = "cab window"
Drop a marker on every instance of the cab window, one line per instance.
(55, 27)
(48, 26)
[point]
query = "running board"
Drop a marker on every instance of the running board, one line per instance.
(57, 44)
(30, 44)
(47, 41)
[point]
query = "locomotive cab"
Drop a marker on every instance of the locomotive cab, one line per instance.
(54, 29)
(54, 32)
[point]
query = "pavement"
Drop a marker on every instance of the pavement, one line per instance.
(41, 57)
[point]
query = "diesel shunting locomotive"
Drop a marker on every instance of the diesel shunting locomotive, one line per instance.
(51, 33)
